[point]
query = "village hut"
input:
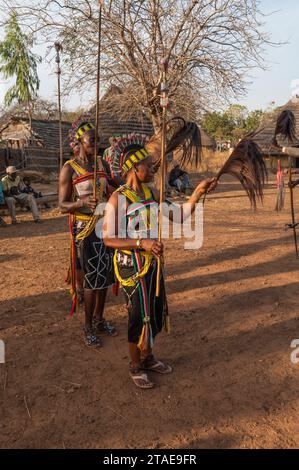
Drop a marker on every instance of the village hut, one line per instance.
(265, 133)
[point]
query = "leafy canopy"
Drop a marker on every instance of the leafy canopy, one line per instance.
(232, 124)
(19, 62)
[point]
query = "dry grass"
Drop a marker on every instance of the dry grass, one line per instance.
(211, 162)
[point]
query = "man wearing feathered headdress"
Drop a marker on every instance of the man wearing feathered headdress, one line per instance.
(77, 189)
(136, 251)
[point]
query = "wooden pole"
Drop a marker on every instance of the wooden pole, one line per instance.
(293, 226)
(58, 48)
(164, 104)
(97, 101)
(292, 152)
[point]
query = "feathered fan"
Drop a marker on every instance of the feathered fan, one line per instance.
(246, 163)
(285, 126)
(183, 136)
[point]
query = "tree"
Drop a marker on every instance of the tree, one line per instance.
(237, 113)
(254, 119)
(19, 62)
(219, 125)
(233, 124)
(210, 45)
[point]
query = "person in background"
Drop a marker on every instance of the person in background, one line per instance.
(179, 179)
(28, 189)
(12, 193)
(89, 254)
(2, 222)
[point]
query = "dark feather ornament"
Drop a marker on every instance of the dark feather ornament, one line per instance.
(246, 163)
(182, 136)
(187, 139)
(285, 126)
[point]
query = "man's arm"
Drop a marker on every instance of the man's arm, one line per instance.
(110, 226)
(5, 188)
(65, 191)
(186, 211)
(66, 204)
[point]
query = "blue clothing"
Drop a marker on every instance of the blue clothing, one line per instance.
(1, 194)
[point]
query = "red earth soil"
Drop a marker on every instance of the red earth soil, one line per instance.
(234, 311)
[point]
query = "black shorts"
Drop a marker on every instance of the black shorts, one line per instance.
(139, 295)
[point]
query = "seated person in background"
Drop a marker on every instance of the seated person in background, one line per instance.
(2, 222)
(28, 189)
(179, 179)
(12, 193)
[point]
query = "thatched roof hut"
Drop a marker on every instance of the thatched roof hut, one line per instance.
(32, 147)
(18, 133)
(265, 135)
(207, 141)
(38, 146)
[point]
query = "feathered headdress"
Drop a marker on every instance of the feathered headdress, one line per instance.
(181, 135)
(82, 124)
(115, 154)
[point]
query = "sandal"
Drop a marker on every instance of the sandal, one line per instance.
(106, 327)
(141, 379)
(91, 339)
(152, 364)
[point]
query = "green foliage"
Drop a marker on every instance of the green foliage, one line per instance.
(17, 60)
(254, 119)
(232, 124)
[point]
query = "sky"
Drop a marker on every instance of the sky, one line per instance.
(275, 84)
(267, 86)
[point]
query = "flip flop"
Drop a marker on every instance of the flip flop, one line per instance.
(141, 379)
(92, 339)
(152, 364)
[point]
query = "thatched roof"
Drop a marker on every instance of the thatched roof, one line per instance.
(207, 140)
(265, 133)
(110, 125)
(43, 132)
(115, 118)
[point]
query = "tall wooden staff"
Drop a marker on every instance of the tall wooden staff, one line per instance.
(58, 48)
(293, 225)
(97, 101)
(292, 152)
(163, 103)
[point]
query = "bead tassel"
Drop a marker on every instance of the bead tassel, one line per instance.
(146, 338)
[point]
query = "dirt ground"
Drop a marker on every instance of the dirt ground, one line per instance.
(234, 307)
